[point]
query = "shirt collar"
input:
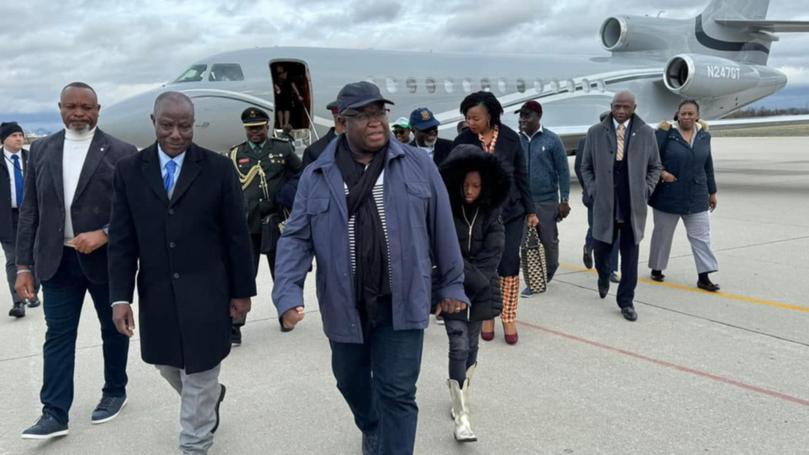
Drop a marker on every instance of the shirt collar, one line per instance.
(164, 158)
(9, 154)
(257, 146)
(616, 124)
(538, 131)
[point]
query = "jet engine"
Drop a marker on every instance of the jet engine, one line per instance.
(636, 33)
(698, 76)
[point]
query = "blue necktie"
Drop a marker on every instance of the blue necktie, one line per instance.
(18, 183)
(168, 181)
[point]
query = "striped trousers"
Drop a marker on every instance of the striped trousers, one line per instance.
(698, 230)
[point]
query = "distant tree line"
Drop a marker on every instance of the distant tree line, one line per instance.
(768, 112)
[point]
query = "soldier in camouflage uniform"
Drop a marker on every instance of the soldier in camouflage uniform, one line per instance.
(263, 165)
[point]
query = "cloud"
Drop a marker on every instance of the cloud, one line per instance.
(121, 47)
(379, 11)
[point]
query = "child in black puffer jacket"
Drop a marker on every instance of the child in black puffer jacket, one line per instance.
(477, 185)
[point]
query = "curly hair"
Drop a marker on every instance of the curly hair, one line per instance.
(488, 101)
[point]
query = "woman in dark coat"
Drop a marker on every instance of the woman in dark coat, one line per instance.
(477, 185)
(687, 191)
(482, 112)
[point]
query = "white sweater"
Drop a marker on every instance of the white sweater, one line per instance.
(74, 153)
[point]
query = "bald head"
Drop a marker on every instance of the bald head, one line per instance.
(173, 119)
(174, 101)
(623, 106)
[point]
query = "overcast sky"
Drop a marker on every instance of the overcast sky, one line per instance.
(125, 47)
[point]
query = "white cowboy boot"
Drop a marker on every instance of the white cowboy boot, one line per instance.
(463, 427)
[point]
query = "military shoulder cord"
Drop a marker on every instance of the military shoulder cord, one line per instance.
(247, 179)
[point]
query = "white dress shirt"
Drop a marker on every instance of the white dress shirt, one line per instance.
(10, 169)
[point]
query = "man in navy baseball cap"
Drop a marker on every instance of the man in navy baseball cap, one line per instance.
(359, 94)
(425, 132)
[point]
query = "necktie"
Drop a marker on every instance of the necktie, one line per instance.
(168, 180)
(619, 154)
(18, 183)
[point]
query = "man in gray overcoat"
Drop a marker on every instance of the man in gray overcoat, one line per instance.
(620, 169)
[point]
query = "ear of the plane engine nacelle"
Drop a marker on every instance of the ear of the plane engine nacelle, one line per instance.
(700, 76)
(634, 33)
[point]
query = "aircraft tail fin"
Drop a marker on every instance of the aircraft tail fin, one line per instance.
(736, 9)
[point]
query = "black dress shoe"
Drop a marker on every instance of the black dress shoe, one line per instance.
(614, 278)
(629, 313)
(603, 288)
(34, 303)
(221, 399)
(657, 275)
(707, 285)
(18, 310)
(587, 258)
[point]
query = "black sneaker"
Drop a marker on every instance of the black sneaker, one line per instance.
(236, 335)
(47, 427)
(18, 310)
(108, 408)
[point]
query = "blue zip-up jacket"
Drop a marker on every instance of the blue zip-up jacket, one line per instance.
(546, 160)
(421, 232)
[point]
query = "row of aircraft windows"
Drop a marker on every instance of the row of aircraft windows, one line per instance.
(430, 85)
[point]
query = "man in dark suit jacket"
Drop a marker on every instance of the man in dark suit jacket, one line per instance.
(178, 216)
(425, 135)
(15, 160)
(62, 229)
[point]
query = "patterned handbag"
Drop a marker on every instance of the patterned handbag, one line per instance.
(532, 260)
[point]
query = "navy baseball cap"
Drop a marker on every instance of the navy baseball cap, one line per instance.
(423, 119)
(359, 94)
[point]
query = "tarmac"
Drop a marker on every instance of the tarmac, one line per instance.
(722, 373)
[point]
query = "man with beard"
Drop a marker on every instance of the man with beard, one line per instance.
(178, 223)
(425, 132)
(63, 230)
(375, 213)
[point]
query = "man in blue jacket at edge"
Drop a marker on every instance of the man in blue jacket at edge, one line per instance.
(375, 213)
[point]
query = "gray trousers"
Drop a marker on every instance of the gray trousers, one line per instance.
(199, 393)
(698, 229)
(549, 233)
(10, 251)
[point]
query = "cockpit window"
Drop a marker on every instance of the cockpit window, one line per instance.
(192, 74)
(226, 72)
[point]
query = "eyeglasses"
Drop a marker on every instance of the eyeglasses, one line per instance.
(367, 116)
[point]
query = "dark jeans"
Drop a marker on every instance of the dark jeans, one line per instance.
(63, 298)
(464, 338)
(10, 251)
(378, 381)
(629, 262)
(589, 242)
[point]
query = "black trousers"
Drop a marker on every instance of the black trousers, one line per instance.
(510, 260)
(629, 262)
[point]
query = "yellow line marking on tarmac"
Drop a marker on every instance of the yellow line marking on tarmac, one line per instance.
(726, 295)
